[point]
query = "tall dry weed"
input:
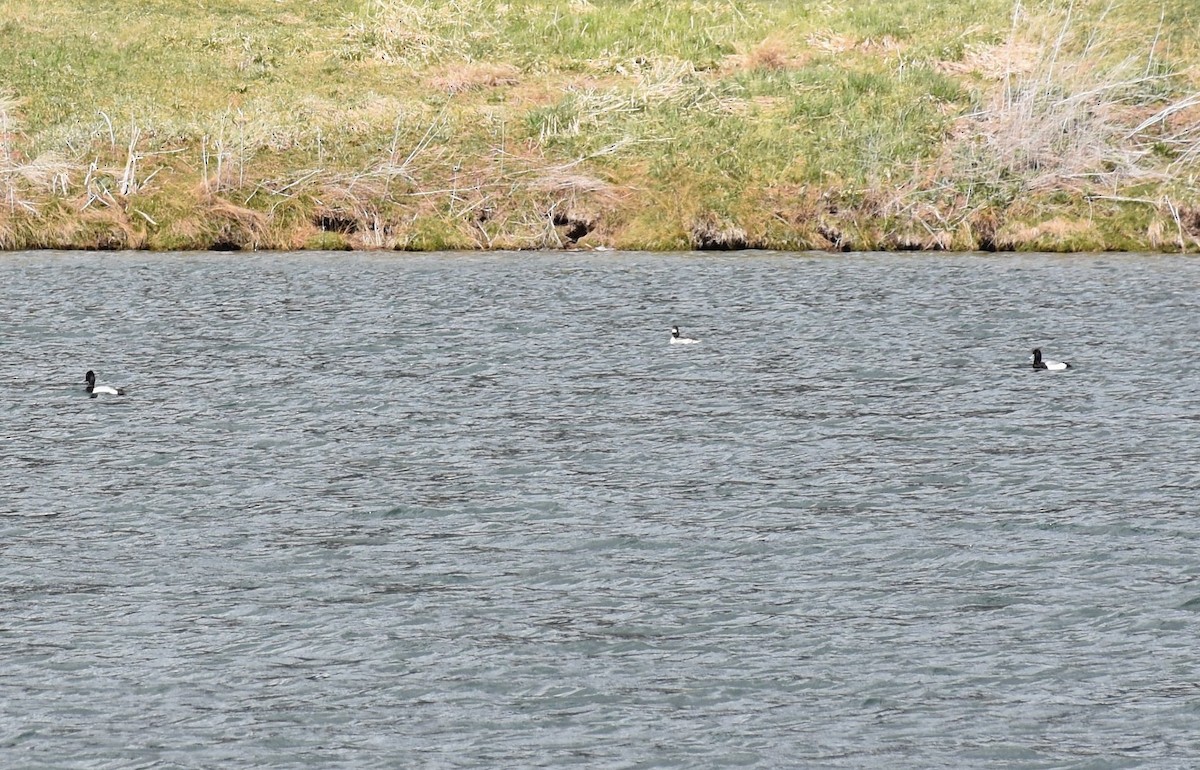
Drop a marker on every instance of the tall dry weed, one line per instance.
(1068, 118)
(9, 126)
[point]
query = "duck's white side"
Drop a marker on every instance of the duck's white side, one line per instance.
(94, 390)
(1046, 363)
(679, 339)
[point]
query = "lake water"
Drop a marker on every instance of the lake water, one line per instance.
(450, 511)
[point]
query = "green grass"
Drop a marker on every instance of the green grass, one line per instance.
(648, 123)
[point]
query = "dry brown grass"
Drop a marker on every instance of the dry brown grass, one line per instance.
(829, 42)
(1053, 234)
(188, 232)
(474, 76)
(994, 62)
(110, 229)
(712, 232)
(566, 182)
(773, 54)
(1175, 226)
(1062, 115)
(11, 192)
(236, 227)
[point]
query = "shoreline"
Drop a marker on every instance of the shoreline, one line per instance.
(222, 225)
(665, 126)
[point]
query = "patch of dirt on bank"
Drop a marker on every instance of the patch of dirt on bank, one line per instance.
(235, 227)
(711, 233)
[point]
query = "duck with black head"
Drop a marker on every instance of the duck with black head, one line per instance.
(679, 339)
(94, 390)
(1046, 363)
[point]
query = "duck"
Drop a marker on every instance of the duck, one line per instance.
(93, 390)
(679, 339)
(1046, 363)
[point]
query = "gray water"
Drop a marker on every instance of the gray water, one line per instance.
(394, 511)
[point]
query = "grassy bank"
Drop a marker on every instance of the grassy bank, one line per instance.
(431, 124)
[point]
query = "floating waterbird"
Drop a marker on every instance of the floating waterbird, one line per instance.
(679, 339)
(98, 390)
(1046, 363)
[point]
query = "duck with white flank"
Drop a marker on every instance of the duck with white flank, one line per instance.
(94, 390)
(679, 339)
(1046, 363)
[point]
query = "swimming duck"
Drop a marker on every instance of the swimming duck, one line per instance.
(1046, 363)
(678, 339)
(96, 390)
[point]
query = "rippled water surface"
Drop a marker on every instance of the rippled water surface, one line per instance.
(474, 511)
